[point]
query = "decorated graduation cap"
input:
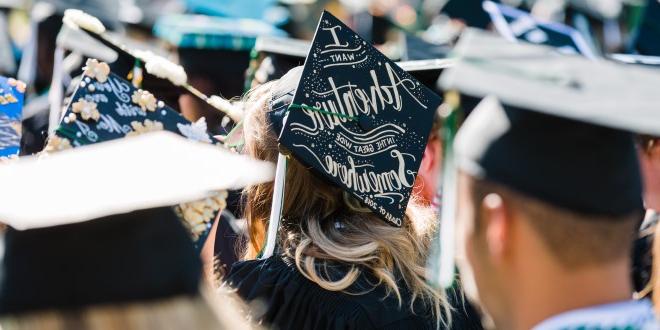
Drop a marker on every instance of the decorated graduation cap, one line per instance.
(102, 232)
(357, 119)
(515, 24)
(549, 124)
(106, 107)
(143, 67)
(12, 93)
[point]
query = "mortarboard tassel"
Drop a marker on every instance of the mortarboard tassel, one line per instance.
(441, 265)
(56, 93)
(276, 207)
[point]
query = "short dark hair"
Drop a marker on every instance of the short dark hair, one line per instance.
(575, 239)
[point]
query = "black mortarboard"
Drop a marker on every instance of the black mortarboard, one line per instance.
(469, 11)
(275, 56)
(145, 69)
(90, 227)
(557, 128)
(544, 93)
(416, 48)
(517, 148)
(427, 71)
(129, 66)
(537, 78)
(648, 34)
(215, 49)
(138, 256)
(106, 107)
(649, 61)
(357, 119)
(515, 24)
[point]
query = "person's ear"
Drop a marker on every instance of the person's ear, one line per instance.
(497, 226)
(654, 151)
(432, 154)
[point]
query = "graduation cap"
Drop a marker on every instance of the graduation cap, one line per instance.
(550, 123)
(469, 11)
(416, 48)
(427, 71)
(144, 67)
(94, 225)
(106, 107)
(357, 119)
(648, 33)
(214, 49)
(649, 61)
(275, 56)
(515, 24)
(12, 93)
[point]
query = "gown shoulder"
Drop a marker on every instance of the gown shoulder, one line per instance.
(279, 295)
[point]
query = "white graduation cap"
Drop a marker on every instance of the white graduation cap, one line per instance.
(120, 176)
(537, 78)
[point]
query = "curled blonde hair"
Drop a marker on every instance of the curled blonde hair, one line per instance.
(321, 223)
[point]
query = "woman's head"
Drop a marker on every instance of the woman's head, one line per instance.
(320, 222)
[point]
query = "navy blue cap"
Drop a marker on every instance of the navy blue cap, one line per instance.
(357, 119)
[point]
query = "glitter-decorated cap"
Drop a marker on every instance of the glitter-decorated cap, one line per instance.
(12, 93)
(358, 119)
(106, 107)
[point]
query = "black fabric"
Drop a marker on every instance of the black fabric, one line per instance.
(226, 69)
(469, 11)
(163, 89)
(283, 298)
(359, 120)
(581, 167)
(226, 242)
(420, 49)
(648, 37)
(137, 256)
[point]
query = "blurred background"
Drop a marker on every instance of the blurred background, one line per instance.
(216, 40)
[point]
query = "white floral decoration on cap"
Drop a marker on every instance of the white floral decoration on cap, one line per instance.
(162, 67)
(146, 127)
(86, 109)
(75, 18)
(97, 70)
(145, 100)
(56, 143)
(196, 131)
(199, 214)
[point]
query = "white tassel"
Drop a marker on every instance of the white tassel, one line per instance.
(447, 227)
(276, 207)
(56, 93)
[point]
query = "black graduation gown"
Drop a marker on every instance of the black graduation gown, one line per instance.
(281, 297)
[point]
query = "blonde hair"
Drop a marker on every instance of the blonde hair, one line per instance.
(321, 223)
